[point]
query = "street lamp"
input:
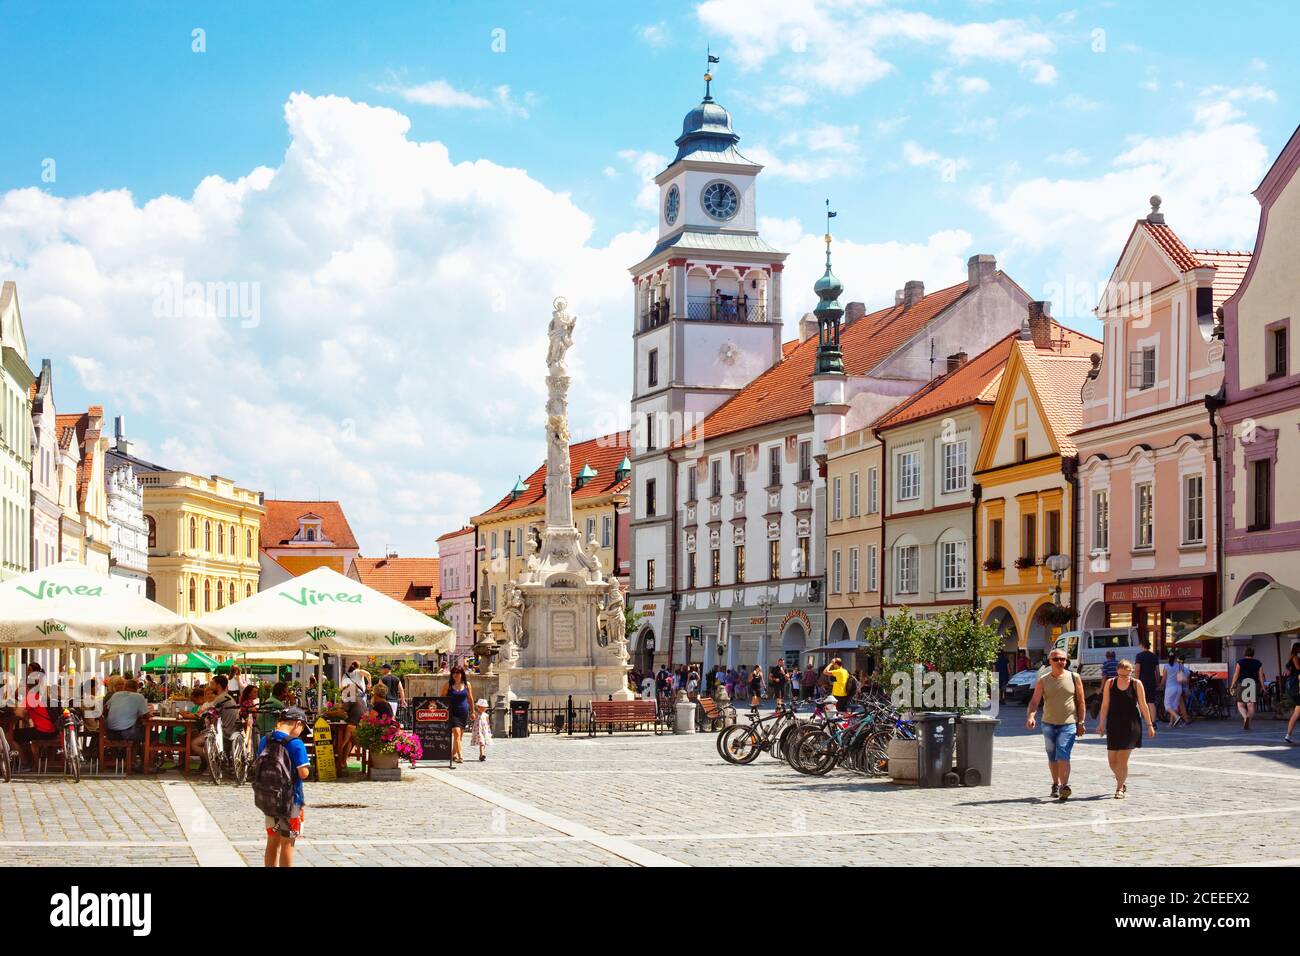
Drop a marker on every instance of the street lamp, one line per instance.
(1058, 564)
(765, 602)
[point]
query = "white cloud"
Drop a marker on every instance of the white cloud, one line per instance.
(655, 35)
(389, 276)
(871, 272)
(840, 46)
(646, 166)
(1205, 175)
(436, 93)
(1043, 74)
(914, 154)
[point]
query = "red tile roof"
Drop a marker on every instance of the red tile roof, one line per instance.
(1058, 379)
(978, 380)
(1230, 269)
(280, 523)
(402, 579)
(785, 390)
(468, 529)
(604, 454)
(81, 429)
(1171, 245)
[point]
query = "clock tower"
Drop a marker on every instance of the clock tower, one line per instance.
(706, 322)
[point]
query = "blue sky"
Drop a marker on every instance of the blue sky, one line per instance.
(406, 186)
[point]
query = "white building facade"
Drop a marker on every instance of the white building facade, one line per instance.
(15, 440)
(128, 533)
(46, 514)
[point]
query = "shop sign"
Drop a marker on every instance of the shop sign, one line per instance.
(432, 724)
(1190, 589)
(325, 769)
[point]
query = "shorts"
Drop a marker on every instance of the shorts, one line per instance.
(1059, 741)
(290, 828)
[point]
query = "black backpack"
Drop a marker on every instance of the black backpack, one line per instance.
(273, 777)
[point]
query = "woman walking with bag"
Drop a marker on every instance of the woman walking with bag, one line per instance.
(1123, 712)
(1175, 687)
(459, 694)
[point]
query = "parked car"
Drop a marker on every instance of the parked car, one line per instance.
(1021, 686)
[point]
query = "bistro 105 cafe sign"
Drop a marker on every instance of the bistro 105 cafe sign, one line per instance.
(1192, 589)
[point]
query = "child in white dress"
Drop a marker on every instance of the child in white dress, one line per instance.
(482, 737)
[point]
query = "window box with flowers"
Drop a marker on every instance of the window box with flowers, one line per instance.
(1055, 615)
(993, 565)
(1023, 564)
(388, 743)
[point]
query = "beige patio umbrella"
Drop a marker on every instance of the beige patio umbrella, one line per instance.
(68, 605)
(323, 611)
(1273, 609)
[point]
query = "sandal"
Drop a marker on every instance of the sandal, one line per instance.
(1119, 794)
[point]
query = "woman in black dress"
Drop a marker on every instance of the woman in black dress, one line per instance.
(1123, 712)
(459, 694)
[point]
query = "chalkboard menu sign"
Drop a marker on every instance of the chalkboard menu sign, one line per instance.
(431, 721)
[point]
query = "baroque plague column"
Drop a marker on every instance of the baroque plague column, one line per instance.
(564, 619)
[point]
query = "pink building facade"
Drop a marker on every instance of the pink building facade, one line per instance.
(1148, 538)
(456, 570)
(1260, 420)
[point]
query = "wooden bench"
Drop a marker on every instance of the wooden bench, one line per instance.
(624, 715)
(709, 714)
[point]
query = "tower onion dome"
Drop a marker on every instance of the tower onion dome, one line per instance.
(828, 313)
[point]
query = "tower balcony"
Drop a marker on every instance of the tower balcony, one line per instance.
(725, 308)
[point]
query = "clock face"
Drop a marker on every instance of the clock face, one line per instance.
(720, 200)
(672, 203)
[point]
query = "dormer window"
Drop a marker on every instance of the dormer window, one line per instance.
(309, 529)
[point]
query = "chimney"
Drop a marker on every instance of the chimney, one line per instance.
(1040, 324)
(956, 361)
(807, 327)
(980, 269)
(120, 441)
(898, 297)
(855, 311)
(913, 290)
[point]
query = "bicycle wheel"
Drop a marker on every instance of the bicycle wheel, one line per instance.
(72, 753)
(741, 744)
(212, 750)
(239, 759)
(6, 768)
(813, 751)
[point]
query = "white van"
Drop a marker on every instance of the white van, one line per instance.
(1087, 651)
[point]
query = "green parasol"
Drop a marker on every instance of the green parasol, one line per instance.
(192, 663)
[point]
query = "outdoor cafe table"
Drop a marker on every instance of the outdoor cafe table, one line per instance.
(156, 725)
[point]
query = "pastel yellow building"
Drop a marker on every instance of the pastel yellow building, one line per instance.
(203, 538)
(1025, 489)
(600, 501)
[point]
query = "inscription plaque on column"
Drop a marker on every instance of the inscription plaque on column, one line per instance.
(564, 632)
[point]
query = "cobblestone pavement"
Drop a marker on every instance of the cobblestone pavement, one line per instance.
(1208, 794)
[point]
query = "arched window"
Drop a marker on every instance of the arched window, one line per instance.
(193, 597)
(248, 590)
(194, 533)
(221, 597)
(207, 595)
(207, 536)
(311, 534)
(221, 540)
(152, 527)
(249, 540)
(233, 552)
(150, 589)
(232, 592)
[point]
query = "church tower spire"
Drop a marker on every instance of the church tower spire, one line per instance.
(828, 312)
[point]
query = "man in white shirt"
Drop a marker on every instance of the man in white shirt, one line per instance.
(125, 708)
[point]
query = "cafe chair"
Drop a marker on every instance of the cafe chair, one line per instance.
(125, 751)
(41, 751)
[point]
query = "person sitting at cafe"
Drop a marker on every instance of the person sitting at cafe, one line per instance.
(219, 699)
(379, 705)
(125, 710)
(279, 697)
(34, 711)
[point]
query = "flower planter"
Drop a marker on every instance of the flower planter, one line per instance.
(385, 766)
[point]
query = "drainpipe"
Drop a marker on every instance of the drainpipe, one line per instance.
(1212, 405)
(974, 565)
(884, 497)
(1070, 469)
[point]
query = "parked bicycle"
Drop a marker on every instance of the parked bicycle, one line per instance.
(1206, 697)
(6, 758)
(71, 726)
(742, 743)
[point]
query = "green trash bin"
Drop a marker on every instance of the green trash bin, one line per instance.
(975, 749)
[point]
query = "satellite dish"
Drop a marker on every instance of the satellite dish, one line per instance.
(1208, 319)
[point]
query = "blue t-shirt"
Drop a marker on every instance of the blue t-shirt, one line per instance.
(297, 758)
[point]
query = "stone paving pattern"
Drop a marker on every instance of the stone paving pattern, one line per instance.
(1206, 795)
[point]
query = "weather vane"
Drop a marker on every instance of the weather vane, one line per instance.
(708, 73)
(829, 216)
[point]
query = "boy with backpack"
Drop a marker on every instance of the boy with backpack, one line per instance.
(282, 765)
